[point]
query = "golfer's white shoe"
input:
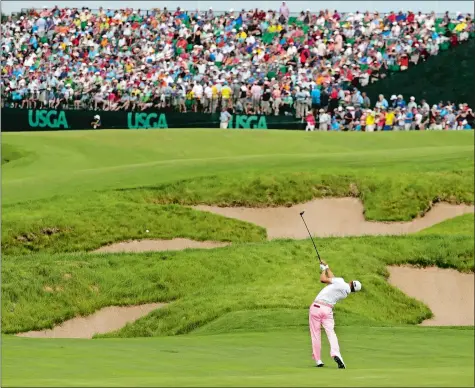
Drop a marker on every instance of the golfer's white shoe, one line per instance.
(339, 361)
(320, 363)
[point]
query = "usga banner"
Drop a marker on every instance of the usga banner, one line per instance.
(50, 119)
(15, 119)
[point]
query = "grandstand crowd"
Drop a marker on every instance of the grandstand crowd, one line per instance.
(250, 62)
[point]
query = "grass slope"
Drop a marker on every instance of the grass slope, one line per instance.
(206, 285)
(69, 224)
(75, 162)
(90, 224)
(461, 226)
(10, 154)
(374, 356)
(397, 176)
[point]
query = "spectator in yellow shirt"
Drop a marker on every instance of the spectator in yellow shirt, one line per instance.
(390, 118)
(370, 121)
(128, 67)
(275, 28)
(226, 93)
(241, 34)
(190, 99)
(460, 27)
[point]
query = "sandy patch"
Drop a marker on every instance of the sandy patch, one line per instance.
(102, 321)
(448, 293)
(175, 244)
(337, 217)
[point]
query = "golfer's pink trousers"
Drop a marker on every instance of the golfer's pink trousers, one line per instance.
(322, 316)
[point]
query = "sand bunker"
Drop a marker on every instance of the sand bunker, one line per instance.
(337, 217)
(448, 293)
(102, 321)
(159, 245)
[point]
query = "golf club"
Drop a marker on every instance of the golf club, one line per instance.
(316, 250)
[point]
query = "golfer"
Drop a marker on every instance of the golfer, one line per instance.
(321, 313)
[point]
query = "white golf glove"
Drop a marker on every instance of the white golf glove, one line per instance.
(323, 267)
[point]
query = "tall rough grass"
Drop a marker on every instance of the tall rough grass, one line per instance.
(82, 223)
(41, 290)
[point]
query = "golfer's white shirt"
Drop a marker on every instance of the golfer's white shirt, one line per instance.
(334, 292)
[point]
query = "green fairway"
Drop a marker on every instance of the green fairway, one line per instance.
(69, 162)
(237, 315)
(374, 357)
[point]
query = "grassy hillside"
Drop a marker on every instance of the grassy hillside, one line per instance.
(88, 189)
(78, 223)
(397, 175)
(461, 226)
(205, 285)
(88, 225)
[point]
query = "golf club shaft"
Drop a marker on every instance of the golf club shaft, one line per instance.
(316, 250)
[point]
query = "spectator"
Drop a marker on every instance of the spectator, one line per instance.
(324, 120)
(96, 122)
(224, 118)
(370, 120)
(198, 61)
(315, 95)
(310, 119)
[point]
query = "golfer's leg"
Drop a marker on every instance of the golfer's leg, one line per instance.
(329, 326)
(314, 324)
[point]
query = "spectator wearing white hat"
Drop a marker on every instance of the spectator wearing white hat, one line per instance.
(96, 122)
(412, 103)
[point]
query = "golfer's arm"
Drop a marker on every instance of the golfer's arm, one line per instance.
(326, 276)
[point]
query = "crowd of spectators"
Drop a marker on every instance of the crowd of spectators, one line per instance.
(252, 62)
(397, 114)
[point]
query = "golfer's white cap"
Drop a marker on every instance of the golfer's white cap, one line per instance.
(356, 285)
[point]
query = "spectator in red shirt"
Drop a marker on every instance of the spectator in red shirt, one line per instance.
(392, 17)
(404, 62)
(453, 40)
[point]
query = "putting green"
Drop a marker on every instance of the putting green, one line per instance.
(374, 356)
